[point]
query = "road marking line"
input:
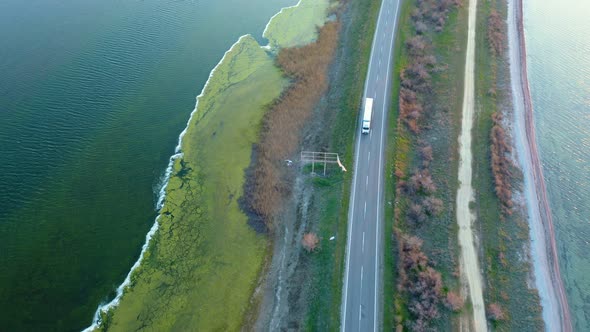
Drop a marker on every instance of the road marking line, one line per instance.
(377, 237)
(367, 182)
(362, 276)
(363, 246)
(365, 209)
(369, 158)
(360, 297)
(351, 212)
(360, 311)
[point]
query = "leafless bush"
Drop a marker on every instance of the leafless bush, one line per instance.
(501, 164)
(416, 214)
(496, 33)
(416, 45)
(421, 182)
(432, 205)
(420, 282)
(426, 154)
(454, 301)
(495, 312)
(310, 241)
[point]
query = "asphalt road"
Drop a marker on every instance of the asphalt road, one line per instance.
(361, 294)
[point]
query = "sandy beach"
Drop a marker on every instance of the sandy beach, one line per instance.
(543, 248)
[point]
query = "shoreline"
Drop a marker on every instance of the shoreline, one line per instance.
(105, 307)
(542, 231)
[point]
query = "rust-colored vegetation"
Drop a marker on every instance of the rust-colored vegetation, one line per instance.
(307, 67)
(495, 312)
(454, 301)
(501, 164)
(496, 34)
(310, 241)
(500, 147)
(419, 284)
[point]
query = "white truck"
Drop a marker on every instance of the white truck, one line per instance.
(368, 112)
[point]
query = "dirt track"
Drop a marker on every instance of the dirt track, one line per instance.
(471, 274)
(556, 309)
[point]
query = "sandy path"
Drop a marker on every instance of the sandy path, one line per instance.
(544, 250)
(471, 275)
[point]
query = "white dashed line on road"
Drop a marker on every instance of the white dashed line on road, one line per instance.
(363, 246)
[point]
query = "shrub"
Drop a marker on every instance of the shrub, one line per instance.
(454, 301)
(432, 205)
(495, 312)
(310, 241)
(496, 34)
(420, 282)
(501, 164)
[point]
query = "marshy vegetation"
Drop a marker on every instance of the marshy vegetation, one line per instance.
(306, 67)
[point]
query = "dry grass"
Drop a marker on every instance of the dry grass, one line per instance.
(307, 66)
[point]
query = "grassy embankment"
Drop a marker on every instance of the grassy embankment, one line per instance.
(504, 233)
(331, 194)
(202, 264)
(409, 209)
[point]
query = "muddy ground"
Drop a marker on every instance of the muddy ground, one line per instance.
(285, 289)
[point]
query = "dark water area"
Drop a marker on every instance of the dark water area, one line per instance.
(558, 45)
(93, 95)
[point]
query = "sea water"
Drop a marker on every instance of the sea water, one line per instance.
(93, 96)
(558, 46)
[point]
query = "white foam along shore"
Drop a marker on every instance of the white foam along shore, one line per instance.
(159, 204)
(105, 307)
(545, 266)
(264, 34)
(162, 192)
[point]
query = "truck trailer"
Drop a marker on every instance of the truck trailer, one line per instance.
(367, 114)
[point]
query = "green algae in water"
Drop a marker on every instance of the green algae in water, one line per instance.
(297, 25)
(202, 264)
(199, 270)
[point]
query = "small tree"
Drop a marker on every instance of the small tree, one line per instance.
(310, 241)
(432, 205)
(454, 302)
(495, 312)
